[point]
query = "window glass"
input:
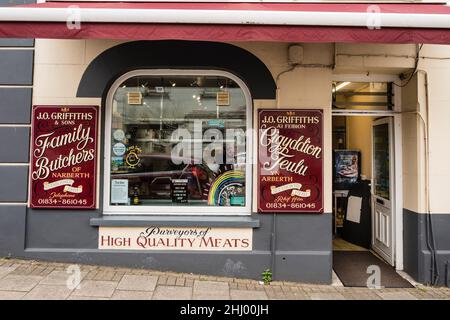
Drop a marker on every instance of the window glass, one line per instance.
(178, 141)
(362, 95)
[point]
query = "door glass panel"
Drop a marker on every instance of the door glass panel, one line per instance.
(381, 160)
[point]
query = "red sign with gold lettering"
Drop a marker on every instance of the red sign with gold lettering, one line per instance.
(290, 161)
(63, 157)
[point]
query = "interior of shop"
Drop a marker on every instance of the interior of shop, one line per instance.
(352, 153)
(362, 155)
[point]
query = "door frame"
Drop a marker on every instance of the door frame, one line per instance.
(397, 217)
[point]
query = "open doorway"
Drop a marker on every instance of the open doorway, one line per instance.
(364, 185)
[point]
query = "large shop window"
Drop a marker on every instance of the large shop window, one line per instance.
(177, 142)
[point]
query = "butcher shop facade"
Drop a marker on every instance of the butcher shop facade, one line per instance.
(228, 149)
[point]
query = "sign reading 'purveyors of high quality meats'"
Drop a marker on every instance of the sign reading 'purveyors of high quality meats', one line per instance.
(64, 157)
(290, 161)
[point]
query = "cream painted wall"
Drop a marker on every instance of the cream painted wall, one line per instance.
(59, 65)
(359, 137)
(438, 77)
(435, 62)
(413, 146)
(308, 88)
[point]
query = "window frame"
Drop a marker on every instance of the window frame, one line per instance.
(109, 209)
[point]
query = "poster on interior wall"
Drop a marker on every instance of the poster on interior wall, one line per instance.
(290, 161)
(63, 157)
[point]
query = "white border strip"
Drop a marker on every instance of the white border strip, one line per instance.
(13, 203)
(310, 18)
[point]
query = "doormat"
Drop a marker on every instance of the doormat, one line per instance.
(351, 267)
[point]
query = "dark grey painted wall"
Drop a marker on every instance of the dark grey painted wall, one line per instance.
(16, 71)
(16, 67)
(417, 255)
(411, 243)
(12, 230)
(16, 42)
(300, 249)
(67, 236)
(165, 54)
(15, 105)
(14, 142)
(7, 3)
(303, 246)
(14, 183)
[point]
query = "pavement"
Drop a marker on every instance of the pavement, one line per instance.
(38, 280)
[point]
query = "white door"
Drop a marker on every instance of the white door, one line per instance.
(383, 202)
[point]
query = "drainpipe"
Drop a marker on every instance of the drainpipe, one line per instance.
(430, 240)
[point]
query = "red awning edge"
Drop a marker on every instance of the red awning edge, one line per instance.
(130, 31)
(282, 22)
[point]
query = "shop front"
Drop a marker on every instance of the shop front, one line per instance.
(254, 149)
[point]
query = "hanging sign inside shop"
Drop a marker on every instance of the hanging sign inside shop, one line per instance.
(223, 98)
(134, 98)
(290, 161)
(63, 157)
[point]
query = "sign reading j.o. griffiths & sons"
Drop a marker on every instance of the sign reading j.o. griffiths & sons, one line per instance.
(175, 238)
(63, 157)
(290, 161)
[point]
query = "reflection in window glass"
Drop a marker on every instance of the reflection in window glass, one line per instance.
(362, 95)
(178, 140)
(381, 160)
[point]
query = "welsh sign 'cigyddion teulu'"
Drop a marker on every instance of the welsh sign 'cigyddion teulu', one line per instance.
(290, 161)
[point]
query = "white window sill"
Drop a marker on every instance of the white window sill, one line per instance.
(176, 221)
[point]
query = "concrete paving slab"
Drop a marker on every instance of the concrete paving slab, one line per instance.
(60, 278)
(95, 288)
(72, 297)
(172, 293)
(4, 271)
(326, 296)
(210, 290)
(48, 292)
(19, 282)
(400, 295)
(247, 295)
(131, 295)
(11, 295)
(137, 283)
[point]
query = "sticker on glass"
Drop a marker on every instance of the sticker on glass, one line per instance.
(119, 135)
(119, 149)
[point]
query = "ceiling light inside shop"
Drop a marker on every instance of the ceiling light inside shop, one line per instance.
(341, 85)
